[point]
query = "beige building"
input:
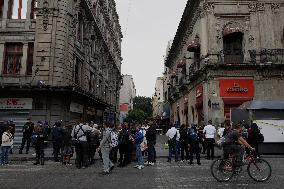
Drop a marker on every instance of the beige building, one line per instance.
(60, 60)
(224, 54)
(158, 98)
(127, 95)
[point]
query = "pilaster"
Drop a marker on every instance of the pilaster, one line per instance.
(2, 47)
(24, 59)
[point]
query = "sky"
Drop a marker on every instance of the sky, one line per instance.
(147, 26)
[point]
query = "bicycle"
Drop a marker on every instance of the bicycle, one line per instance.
(258, 169)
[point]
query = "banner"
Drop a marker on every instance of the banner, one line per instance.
(16, 103)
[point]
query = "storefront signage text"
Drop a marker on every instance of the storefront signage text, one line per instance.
(237, 88)
(16, 103)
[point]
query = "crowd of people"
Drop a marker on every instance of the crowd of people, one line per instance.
(123, 144)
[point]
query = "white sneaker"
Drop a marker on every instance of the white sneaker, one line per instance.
(140, 167)
(147, 163)
(151, 163)
(136, 166)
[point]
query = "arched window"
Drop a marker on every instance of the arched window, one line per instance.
(233, 45)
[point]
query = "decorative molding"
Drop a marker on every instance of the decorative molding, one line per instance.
(206, 9)
(275, 7)
(253, 7)
(260, 7)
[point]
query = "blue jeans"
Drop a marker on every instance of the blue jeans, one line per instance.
(4, 154)
(173, 149)
(139, 155)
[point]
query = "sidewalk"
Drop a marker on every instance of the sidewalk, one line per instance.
(31, 156)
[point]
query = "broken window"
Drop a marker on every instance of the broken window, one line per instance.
(30, 59)
(13, 58)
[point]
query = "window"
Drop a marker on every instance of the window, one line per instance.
(233, 47)
(17, 9)
(1, 8)
(30, 59)
(13, 58)
(77, 71)
(33, 6)
(79, 27)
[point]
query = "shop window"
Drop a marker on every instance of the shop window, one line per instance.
(13, 58)
(30, 59)
(233, 48)
(1, 8)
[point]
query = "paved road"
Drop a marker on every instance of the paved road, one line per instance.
(162, 175)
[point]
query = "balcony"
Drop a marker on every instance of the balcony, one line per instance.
(231, 57)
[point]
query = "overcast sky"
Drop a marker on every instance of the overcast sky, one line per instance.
(147, 26)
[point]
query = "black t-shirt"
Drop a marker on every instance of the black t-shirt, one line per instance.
(232, 137)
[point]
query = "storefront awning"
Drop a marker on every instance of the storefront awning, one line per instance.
(267, 104)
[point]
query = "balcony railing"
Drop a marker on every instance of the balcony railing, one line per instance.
(231, 57)
(275, 56)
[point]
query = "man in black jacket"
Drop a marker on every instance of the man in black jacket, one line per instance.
(27, 135)
(184, 142)
(151, 142)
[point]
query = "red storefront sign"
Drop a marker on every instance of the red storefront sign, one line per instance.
(241, 88)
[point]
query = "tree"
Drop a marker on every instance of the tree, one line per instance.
(143, 103)
(135, 116)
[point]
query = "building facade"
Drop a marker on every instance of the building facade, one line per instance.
(127, 94)
(60, 60)
(158, 98)
(224, 54)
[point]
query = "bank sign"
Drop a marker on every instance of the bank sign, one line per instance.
(16, 103)
(236, 88)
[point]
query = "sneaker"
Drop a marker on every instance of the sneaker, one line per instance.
(140, 167)
(147, 163)
(151, 163)
(105, 173)
(136, 166)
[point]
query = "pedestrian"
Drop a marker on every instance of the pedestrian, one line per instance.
(173, 136)
(67, 151)
(39, 136)
(138, 138)
(124, 143)
(209, 134)
(201, 137)
(151, 137)
(57, 139)
(227, 129)
(7, 143)
(79, 138)
(114, 150)
(105, 150)
(184, 142)
(27, 135)
(12, 125)
(3, 128)
(193, 144)
(94, 142)
(255, 137)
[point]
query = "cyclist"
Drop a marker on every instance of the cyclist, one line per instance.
(235, 143)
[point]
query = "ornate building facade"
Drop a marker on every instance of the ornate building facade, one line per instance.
(224, 54)
(60, 60)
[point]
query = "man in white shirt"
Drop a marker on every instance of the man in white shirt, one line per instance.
(209, 133)
(173, 138)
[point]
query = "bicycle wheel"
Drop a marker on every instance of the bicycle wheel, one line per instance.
(259, 170)
(222, 170)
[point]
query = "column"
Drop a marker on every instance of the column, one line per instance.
(29, 7)
(4, 17)
(24, 59)
(203, 36)
(2, 47)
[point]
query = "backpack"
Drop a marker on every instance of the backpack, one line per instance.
(193, 136)
(260, 137)
(113, 139)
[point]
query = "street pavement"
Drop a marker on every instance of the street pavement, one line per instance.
(163, 175)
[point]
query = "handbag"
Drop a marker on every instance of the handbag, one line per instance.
(143, 146)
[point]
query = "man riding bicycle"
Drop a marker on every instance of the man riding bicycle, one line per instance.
(235, 143)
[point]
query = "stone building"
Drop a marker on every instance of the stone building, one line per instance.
(158, 98)
(60, 60)
(127, 94)
(224, 54)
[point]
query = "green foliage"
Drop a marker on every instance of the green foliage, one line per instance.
(142, 109)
